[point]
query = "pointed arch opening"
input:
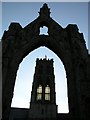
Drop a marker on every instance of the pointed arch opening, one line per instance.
(23, 85)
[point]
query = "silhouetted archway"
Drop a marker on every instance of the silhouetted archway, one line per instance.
(24, 80)
(67, 43)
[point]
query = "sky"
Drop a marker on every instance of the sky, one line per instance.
(63, 13)
(89, 27)
(45, 0)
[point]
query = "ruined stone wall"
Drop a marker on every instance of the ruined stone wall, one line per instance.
(67, 43)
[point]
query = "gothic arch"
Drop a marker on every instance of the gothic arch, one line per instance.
(58, 75)
(67, 43)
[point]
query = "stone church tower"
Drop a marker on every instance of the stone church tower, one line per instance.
(43, 95)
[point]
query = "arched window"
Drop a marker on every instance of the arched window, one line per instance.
(47, 93)
(39, 92)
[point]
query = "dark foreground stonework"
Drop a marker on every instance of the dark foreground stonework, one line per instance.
(67, 43)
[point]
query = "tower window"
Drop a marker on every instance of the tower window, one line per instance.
(39, 92)
(47, 93)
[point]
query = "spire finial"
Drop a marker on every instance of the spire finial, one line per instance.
(45, 11)
(46, 57)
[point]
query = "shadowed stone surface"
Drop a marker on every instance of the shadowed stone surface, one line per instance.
(67, 43)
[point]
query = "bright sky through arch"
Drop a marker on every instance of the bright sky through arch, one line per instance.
(25, 78)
